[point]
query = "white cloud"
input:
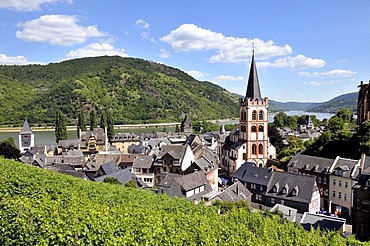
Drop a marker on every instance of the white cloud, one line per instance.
(146, 26)
(12, 60)
(58, 30)
(197, 74)
(296, 62)
(223, 78)
(332, 73)
(319, 83)
(96, 49)
(189, 37)
(27, 5)
(142, 24)
(164, 53)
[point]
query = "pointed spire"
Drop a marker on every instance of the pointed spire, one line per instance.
(222, 129)
(253, 86)
(26, 129)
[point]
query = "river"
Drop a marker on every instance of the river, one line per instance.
(47, 137)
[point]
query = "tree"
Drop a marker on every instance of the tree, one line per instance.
(279, 119)
(60, 127)
(177, 129)
(103, 120)
(93, 123)
(8, 150)
(110, 127)
(275, 138)
(81, 123)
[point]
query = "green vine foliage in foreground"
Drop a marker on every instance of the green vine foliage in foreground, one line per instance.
(40, 207)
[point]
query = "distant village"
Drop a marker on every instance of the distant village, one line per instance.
(330, 194)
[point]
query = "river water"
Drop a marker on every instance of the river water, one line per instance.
(48, 137)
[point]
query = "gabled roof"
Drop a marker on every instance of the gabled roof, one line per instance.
(349, 167)
(109, 167)
(311, 163)
(26, 129)
(304, 185)
(143, 161)
(176, 151)
(235, 192)
(123, 176)
(187, 182)
(253, 87)
(249, 173)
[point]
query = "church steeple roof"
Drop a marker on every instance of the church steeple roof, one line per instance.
(26, 129)
(253, 86)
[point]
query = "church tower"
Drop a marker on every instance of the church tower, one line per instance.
(253, 120)
(363, 104)
(26, 138)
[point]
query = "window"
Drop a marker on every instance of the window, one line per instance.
(345, 184)
(283, 191)
(253, 186)
(258, 197)
(274, 189)
(261, 188)
(340, 195)
(273, 200)
(148, 180)
(254, 129)
(319, 180)
(365, 206)
(260, 149)
(333, 193)
(326, 192)
(260, 115)
(345, 197)
(334, 182)
(324, 180)
(340, 183)
(254, 149)
(260, 128)
(254, 115)
(339, 172)
(294, 192)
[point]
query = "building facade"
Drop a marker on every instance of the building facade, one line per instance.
(26, 138)
(249, 140)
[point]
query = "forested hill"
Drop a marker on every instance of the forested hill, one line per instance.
(134, 90)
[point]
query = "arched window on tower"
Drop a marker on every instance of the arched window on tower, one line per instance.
(260, 149)
(254, 149)
(260, 128)
(254, 115)
(260, 115)
(253, 128)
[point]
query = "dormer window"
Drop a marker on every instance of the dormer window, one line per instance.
(274, 189)
(339, 172)
(283, 191)
(294, 193)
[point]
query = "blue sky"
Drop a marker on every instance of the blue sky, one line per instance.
(306, 51)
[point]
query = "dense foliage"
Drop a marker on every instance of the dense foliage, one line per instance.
(40, 207)
(134, 90)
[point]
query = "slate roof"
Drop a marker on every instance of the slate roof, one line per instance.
(26, 129)
(187, 182)
(321, 221)
(97, 132)
(303, 185)
(349, 167)
(69, 143)
(123, 176)
(176, 151)
(109, 167)
(311, 163)
(253, 86)
(248, 172)
(235, 192)
(123, 136)
(143, 161)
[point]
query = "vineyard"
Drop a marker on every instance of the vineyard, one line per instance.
(40, 207)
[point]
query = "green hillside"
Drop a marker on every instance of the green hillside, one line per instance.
(348, 100)
(40, 207)
(134, 90)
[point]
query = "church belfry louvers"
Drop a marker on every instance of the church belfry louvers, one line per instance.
(249, 140)
(253, 120)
